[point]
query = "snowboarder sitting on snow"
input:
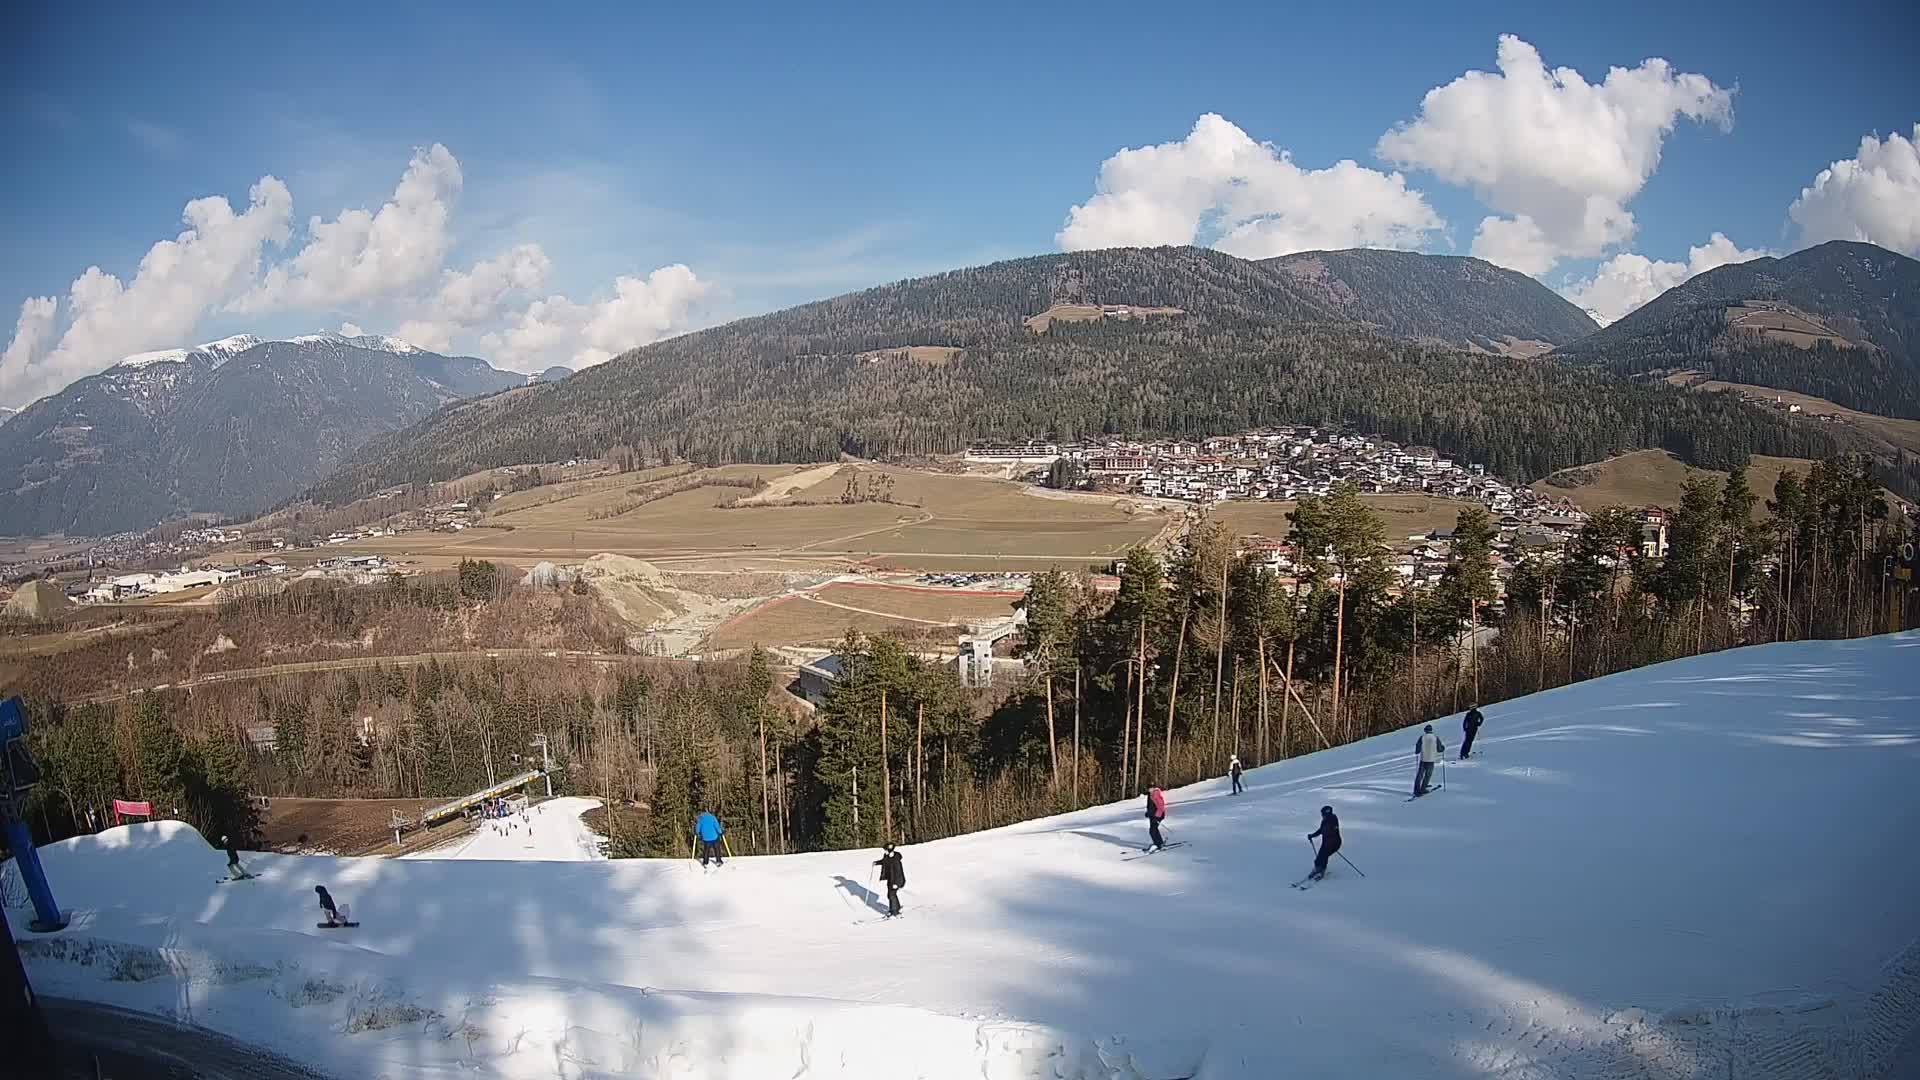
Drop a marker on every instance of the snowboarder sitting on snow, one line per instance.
(708, 830)
(1471, 726)
(1156, 813)
(1233, 770)
(893, 871)
(235, 872)
(1329, 836)
(1429, 747)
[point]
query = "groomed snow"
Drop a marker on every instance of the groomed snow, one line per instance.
(1701, 869)
(549, 832)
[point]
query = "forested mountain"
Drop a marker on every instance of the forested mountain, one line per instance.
(1443, 299)
(1249, 345)
(1840, 321)
(229, 428)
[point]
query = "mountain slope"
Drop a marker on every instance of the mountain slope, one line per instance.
(1689, 870)
(1449, 300)
(230, 428)
(1839, 321)
(925, 366)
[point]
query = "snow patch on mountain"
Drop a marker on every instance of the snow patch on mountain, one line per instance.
(372, 342)
(217, 351)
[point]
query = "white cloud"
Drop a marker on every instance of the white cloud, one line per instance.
(641, 310)
(177, 283)
(1872, 196)
(348, 329)
(1560, 156)
(475, 297)
(366, 255)
(1248, 197)
(1628, 280)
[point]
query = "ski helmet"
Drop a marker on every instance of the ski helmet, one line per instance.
(1429, 727)
(1326, 810)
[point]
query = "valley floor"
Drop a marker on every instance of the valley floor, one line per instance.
(1700, 869)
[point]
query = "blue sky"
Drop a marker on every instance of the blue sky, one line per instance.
(767, 157)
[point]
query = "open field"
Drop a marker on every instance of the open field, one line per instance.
(1894, 433)
(798, 620)
(341, 826)
(929, 515)
(932, 604)
(1405, 515)
(1654, 478)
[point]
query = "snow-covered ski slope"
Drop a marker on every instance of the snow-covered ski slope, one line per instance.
(1701, 869)
(549, 832)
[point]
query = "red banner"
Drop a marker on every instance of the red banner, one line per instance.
(122, 808)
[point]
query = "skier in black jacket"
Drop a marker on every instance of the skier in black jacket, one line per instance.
(235, 872)
(893, 871)
(1471, 726)
(1329, 836)
(326, 904)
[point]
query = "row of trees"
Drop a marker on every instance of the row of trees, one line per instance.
(1195, 655)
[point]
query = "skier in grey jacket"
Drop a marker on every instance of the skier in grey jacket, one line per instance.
(1429, 748)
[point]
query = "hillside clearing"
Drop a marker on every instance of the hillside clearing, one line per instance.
(1655, 478)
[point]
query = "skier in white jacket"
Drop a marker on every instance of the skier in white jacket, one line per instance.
(1429, 748)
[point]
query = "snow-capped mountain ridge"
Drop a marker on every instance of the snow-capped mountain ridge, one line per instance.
(370, 342)
(218, 352)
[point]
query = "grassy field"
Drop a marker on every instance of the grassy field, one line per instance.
(1896, 433)
(930, 516)
(1654, 478)
(798, 620)
(935, 605)
(1405, 515)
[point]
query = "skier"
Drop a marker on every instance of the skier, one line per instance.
(893, 871)
(1156, 813)
(1233, 770)
(1471, 726)
(1329, 836)
(707, 829)
(1429, 748)
(235, 872)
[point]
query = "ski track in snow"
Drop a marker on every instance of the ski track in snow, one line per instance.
(1691, 871)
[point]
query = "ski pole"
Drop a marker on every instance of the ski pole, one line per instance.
(729, 847)
(1349, 862)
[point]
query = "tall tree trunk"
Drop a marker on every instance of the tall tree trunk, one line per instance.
(919, 757)
(1220, 654)
(766, 803)
(1053, 750)
(1076, 736)
(1261, 659)
(1140, 708)
(1339, 638)
(1286, 700)
(886, 774)
(1233, 710)
(1126, 729)
(1413, 656)
(1173, 696)
(1473, 644)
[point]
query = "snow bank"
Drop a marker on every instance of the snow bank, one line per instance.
(1700, 869)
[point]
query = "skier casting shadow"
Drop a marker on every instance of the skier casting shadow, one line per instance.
(1329, 836)
(866, 895)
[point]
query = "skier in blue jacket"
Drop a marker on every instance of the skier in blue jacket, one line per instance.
(708, 831)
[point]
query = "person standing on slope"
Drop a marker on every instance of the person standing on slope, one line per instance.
(893, 871)
(1156, 813)
(235, 872)
(1329, 836)
(1429, 748)
(1233, 770)
(1470, 726)
(707, 829)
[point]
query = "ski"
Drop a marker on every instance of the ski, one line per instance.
(336, 925)
(1144, 852)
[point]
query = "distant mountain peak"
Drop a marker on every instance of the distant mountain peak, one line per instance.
(373, 342)
(218, 351)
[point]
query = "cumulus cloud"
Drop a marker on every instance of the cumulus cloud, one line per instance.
(1872, 196)
(363, 255)
(376, 267)
(178, 282)
(1218, 185)
(1559, 156)
(641, 310)
(474, 297)
(348, 329)
(1628, 280)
